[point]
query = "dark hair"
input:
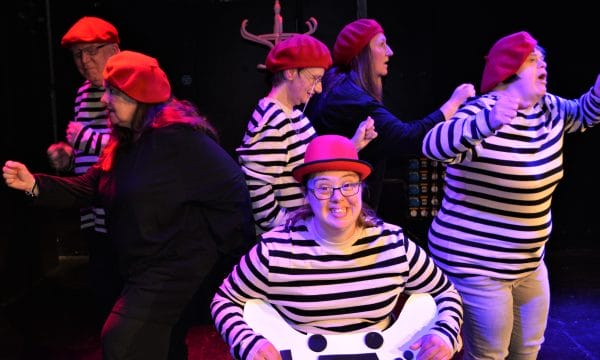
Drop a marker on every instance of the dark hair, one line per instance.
(277, 78)
(152, 116)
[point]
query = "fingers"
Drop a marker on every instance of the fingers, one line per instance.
(11, 174)
(12, 166)
(73, 129)
(504, 111)
(369, 128)
(464, 91)
(470, 90)
(267, 352)
(432, 347)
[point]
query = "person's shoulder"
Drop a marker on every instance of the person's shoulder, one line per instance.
(277, 236)
(345, 86)
(477, 103)
(87, 88)
(179, 134)
(287, 231)
(173, 130)
(386, 226)
(86, 84)
(382, 228)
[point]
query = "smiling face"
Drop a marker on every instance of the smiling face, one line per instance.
(90, 59)
(306, 84)
(335, 216)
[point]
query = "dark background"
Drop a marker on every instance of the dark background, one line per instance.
(198, 44)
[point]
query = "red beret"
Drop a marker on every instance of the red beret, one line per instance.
(90, 29)
(353, 38)
(296, 52)
(331, 152)
(505, 58)
(138, 76)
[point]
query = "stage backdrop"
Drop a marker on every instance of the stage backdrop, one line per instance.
(199, 45)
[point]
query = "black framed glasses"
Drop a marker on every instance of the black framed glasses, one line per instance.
(325, 192)
(89, 51)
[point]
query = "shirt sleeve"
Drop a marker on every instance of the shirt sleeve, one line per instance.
(68, 192)
(426, 277)
(248, 280)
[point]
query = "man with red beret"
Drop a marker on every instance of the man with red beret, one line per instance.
(91, 41)
(504, 156)
(278, 133)
(353, 90)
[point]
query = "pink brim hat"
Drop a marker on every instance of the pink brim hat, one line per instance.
(331, 153)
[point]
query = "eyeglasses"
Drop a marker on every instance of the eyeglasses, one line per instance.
(315, 79)
(325, 192)
(89, 51)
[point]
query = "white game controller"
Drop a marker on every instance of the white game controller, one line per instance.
(415, 319)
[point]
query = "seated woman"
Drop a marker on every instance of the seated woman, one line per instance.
(334, 267)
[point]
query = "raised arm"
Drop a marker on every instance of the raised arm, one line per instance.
(458, 97)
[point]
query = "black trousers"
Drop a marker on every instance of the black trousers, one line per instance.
(103, 271)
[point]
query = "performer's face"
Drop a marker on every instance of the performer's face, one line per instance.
(121, 107)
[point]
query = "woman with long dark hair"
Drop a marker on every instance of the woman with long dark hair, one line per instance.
(176, 203)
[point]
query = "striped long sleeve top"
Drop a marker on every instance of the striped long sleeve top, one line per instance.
(90, 141)
(495, 217)
(322, 289)
(274, 143)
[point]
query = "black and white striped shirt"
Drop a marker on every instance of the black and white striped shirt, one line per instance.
(495, 217)
(323, 289)
(273, 145)
(90, 141)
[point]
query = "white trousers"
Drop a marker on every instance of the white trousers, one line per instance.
(504, 319)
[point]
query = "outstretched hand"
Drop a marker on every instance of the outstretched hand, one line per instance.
(17, 176)
(364, 133)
